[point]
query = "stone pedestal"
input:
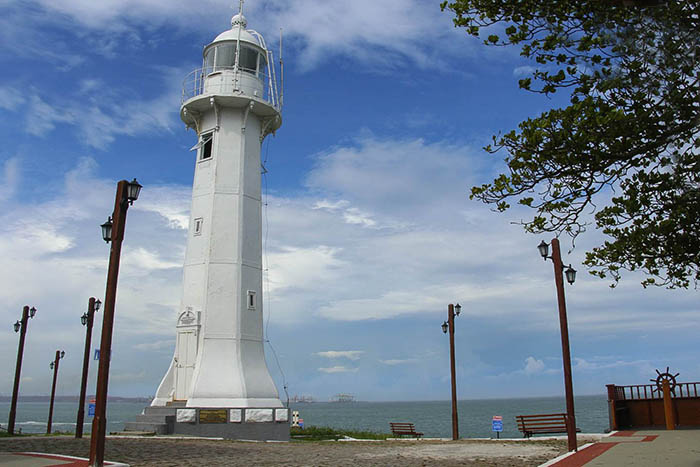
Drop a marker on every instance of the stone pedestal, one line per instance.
(255, 424)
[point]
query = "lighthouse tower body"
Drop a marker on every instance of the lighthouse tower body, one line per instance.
(231, 103)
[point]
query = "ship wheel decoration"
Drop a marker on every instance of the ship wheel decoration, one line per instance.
(665, 376)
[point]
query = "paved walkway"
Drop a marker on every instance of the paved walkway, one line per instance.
(677, 448)
(36, 459)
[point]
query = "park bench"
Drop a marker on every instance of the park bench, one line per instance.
(542, 424)
(401, 429)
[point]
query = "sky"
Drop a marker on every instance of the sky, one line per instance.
(369, 231)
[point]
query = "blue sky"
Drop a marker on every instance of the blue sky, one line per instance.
(370, 233)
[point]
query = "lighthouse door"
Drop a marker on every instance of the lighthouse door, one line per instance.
(184, 367)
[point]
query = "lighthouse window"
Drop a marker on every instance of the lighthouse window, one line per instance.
(251, 300)
(225, 56)
(205, 146)
(198, 222)
(249, 59)
(209, 60)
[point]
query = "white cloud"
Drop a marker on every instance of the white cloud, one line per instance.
(42, 117)
(157, 345)
(380, 35)
(533, 366)
(338, 369)
(399, 361)
(101, 113)
(10, 98)
(523, 71)
(349, 354)
(11, 175)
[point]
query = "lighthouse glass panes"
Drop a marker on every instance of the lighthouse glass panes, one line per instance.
(223, 57)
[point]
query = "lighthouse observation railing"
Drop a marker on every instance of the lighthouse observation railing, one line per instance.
(229, 81)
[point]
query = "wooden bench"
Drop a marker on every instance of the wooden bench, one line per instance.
(542, 424)
(401, 429)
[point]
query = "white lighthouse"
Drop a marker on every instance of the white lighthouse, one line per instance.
(219, 361)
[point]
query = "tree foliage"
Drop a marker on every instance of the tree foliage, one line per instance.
(627, 146)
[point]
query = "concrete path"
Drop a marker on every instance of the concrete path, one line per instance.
(36, 459)
(677, 448)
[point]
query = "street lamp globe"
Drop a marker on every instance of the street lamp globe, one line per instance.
(107, 230)
(444, 327)
(458, 309)
(17, 326)
(132, 191)
(570, 274)
(543, 247)
(32, 312)
(98, 304)
(84, 318)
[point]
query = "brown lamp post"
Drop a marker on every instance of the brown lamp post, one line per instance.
(86, 320)
(112, 230)
(21, 327)
(570, 273)
(54, 366)
(449, 325)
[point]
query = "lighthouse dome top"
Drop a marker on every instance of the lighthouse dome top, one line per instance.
(239, 19)
(238, 26)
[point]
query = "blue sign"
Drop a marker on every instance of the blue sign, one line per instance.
(497, 424)
(97, 354)
(91, 409)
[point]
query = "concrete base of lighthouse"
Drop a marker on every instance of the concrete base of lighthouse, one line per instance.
(244, 423)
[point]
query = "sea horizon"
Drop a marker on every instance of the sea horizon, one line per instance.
(433, 418)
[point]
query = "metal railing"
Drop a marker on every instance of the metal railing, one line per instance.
(232, 81)
(652, 391)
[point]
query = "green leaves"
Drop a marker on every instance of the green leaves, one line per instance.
(626, 149)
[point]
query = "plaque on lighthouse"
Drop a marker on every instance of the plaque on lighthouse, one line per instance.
(231, 102)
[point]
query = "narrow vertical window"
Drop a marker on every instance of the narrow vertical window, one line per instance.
(206, 146)
(198, 223)
(251, 300)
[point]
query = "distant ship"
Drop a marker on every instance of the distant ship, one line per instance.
(302, 399)
(343, 398)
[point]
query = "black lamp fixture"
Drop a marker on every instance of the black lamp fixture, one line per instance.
(17, 325)
(51, 365)
(132, 191)
(98, 304)
(32, 312)
(570, 274)
(444, 327)
(84, 318)
(544, 249)
(107, 230)
(63, 353)
(458, 309)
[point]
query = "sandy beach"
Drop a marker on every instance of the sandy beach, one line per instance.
(199, 452)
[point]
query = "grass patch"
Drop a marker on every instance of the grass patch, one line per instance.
(324, 433)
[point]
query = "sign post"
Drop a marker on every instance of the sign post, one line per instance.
(497, 425)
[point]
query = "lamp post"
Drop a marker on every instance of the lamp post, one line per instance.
(570, 273)
(54, 366)
(21, 327)
(112, 230)
(86, 319)
(449, 325)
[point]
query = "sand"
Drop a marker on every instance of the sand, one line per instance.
(198, 452)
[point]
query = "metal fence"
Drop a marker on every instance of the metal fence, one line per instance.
(652, 391)
(231, 82)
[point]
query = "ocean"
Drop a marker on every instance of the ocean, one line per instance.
(433, 418)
